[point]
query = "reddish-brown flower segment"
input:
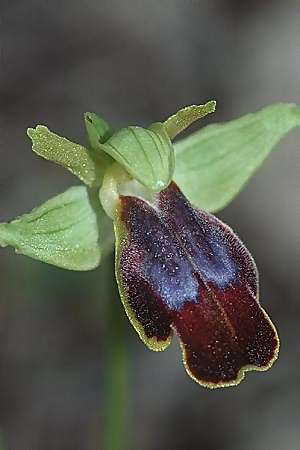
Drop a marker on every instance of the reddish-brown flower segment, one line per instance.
(182, 269)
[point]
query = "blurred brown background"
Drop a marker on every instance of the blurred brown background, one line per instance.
(135, 62)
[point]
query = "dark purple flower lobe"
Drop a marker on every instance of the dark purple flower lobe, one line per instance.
(182, 269)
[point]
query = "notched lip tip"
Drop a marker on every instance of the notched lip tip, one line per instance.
(234, 382)
(240, 375)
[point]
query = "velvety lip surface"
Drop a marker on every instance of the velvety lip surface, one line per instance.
(182, 269)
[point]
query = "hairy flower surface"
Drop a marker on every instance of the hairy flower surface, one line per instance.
(182, 269)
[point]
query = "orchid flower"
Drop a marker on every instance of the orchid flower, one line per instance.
(178, 267)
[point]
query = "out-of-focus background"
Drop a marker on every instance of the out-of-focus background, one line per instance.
(135, 62)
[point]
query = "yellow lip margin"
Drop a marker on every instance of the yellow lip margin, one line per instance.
(121, 240)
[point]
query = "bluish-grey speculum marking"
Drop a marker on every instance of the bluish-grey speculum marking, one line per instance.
(204, 243)
(174, 255)
(166, 265)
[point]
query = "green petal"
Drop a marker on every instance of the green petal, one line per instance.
(64, 231)
(186, 116)
(146, 154)
(213, 164)
(74, 157)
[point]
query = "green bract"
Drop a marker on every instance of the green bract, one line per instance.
(64, 231)
(211, 166)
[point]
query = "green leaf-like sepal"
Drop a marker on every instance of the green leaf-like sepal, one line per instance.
(186, 116)
(213, 164)
(74, 157)
(64, 231)
(146, 154)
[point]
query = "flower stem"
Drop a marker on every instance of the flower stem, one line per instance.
(116, 376)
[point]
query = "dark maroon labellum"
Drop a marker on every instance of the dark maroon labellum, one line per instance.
(181, 268)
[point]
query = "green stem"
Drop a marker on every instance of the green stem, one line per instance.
(116, 376)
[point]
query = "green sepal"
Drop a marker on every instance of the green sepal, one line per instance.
(213, 164)
(186, 116)
(86, 165)
(70, 230)
(146, 154)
